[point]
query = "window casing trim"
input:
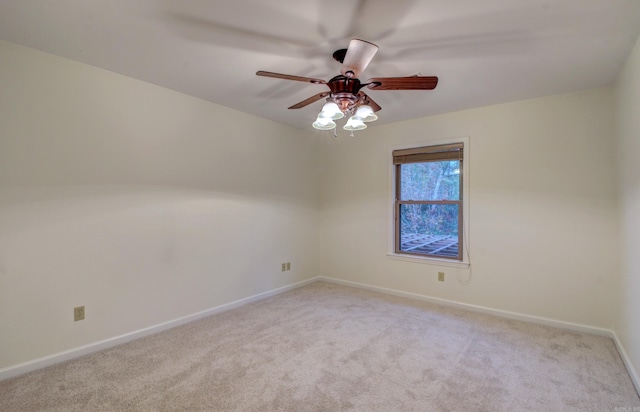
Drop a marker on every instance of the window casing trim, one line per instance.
(463, 219)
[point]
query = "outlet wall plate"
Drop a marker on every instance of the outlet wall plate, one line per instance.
(78, 313)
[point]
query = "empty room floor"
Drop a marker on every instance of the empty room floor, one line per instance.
(328, 347)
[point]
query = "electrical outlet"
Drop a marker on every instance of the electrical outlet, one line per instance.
(441, 276)
(78, 313)
(288, 265)
(284, 267)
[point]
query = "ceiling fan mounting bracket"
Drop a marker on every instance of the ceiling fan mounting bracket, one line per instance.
(339, 54)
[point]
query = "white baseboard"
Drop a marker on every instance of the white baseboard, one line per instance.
(476, 308)
(633, 374)
(43, 362)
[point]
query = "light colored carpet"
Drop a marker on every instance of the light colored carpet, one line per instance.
(326, 347)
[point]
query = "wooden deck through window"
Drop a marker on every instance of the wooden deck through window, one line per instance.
(445, 246)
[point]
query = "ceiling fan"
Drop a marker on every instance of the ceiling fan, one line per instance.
(345, 93)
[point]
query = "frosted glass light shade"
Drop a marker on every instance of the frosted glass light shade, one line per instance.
(332, 111)
(365, 112)
(324, 123)
(354, 123)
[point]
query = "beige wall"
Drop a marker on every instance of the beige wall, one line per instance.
(627, 99)
(143, 204)
(542, 208)
(146, 205)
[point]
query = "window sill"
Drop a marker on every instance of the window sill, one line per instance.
(429, 261)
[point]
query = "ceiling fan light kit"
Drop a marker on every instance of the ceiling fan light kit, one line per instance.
(365, 112)
(332, 111)
(324, 123)
(346, 95)
(354, 123)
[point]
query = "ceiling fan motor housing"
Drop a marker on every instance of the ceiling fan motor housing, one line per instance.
(344, 91)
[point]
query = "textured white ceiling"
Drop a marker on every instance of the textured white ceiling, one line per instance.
(484, 52)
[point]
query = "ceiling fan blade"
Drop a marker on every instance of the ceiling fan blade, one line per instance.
(290, 77)
(310, 100)
(403, 83)
(368, 100)
(358, 56)
(375, 20)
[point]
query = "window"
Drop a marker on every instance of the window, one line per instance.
(428, 204)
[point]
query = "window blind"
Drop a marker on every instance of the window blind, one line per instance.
(428, 154)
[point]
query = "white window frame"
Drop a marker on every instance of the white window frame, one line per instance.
(465, 207)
